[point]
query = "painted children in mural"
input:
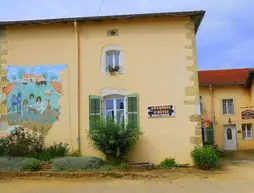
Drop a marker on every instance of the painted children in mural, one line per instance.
(24, 106)
(31, 100)
(39, 105)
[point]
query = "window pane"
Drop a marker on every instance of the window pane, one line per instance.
(110, 59)
(229, 134)
(119, 103)
(230, 106)
(117, 59)
(224, 106)
(110, 114)
(249, 131)
(120, 116)
(109, 104)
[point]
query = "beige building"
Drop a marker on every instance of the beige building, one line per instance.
(227, 101)
(138, 68)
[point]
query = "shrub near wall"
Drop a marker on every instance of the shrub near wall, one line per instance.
(114, 140)
(205, 158)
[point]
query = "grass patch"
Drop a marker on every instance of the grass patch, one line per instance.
(168, 163)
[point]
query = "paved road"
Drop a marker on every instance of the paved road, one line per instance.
(236, 179)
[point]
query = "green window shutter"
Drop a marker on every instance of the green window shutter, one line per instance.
(132, 110)
(94, 110)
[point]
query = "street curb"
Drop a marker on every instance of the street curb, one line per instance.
(76, 174)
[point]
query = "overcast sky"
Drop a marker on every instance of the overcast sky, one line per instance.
(225, 38)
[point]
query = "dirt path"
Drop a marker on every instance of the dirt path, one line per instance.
(237, 178)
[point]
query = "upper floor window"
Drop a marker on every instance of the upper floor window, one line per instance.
(247, 131)
(228, 106)
(112, 60)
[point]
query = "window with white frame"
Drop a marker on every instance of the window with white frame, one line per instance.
(247, 131)
(112, 59)
(122, 108)
(228, 106)
(114, 109)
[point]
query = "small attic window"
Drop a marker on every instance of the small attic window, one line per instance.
(113, 32)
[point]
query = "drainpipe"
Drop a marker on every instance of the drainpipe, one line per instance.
(77, 84)
(212, 101)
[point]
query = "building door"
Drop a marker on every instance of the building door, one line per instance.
(230, 137)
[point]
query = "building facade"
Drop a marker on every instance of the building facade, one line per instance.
(227, 102)
(123, 67)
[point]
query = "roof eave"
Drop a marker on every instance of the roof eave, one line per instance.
(197, 16)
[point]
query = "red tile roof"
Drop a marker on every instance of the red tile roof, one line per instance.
(223, 77)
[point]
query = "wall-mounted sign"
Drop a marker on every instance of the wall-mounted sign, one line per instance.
(247, 114)
(161, 111)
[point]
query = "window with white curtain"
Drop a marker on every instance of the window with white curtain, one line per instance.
(247, 131)
(228, 106)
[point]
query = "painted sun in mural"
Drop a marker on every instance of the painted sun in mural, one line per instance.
(32, 95)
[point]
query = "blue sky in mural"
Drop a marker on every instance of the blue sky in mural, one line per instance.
(225, 38)
(51, 70)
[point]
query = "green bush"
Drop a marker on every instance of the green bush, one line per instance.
(168, 163)
(52, 152)
(31, 164)
(22, 143)
(4, 143)
(205, 158)
(77, 163)
(113, 140)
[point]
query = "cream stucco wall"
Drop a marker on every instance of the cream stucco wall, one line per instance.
(241, 97)
(160, 59)
(47, 45)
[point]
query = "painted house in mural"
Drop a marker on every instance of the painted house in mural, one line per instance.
(227, 105)
(67, 73)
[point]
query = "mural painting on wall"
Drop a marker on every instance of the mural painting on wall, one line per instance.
(32, 96)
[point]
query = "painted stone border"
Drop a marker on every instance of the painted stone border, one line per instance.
(193, 91)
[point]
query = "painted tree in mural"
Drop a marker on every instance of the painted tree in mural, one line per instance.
(13, 77)
(45, 75)
(21, 73)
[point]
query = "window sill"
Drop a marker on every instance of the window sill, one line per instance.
(228, 115)
(248, 139)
